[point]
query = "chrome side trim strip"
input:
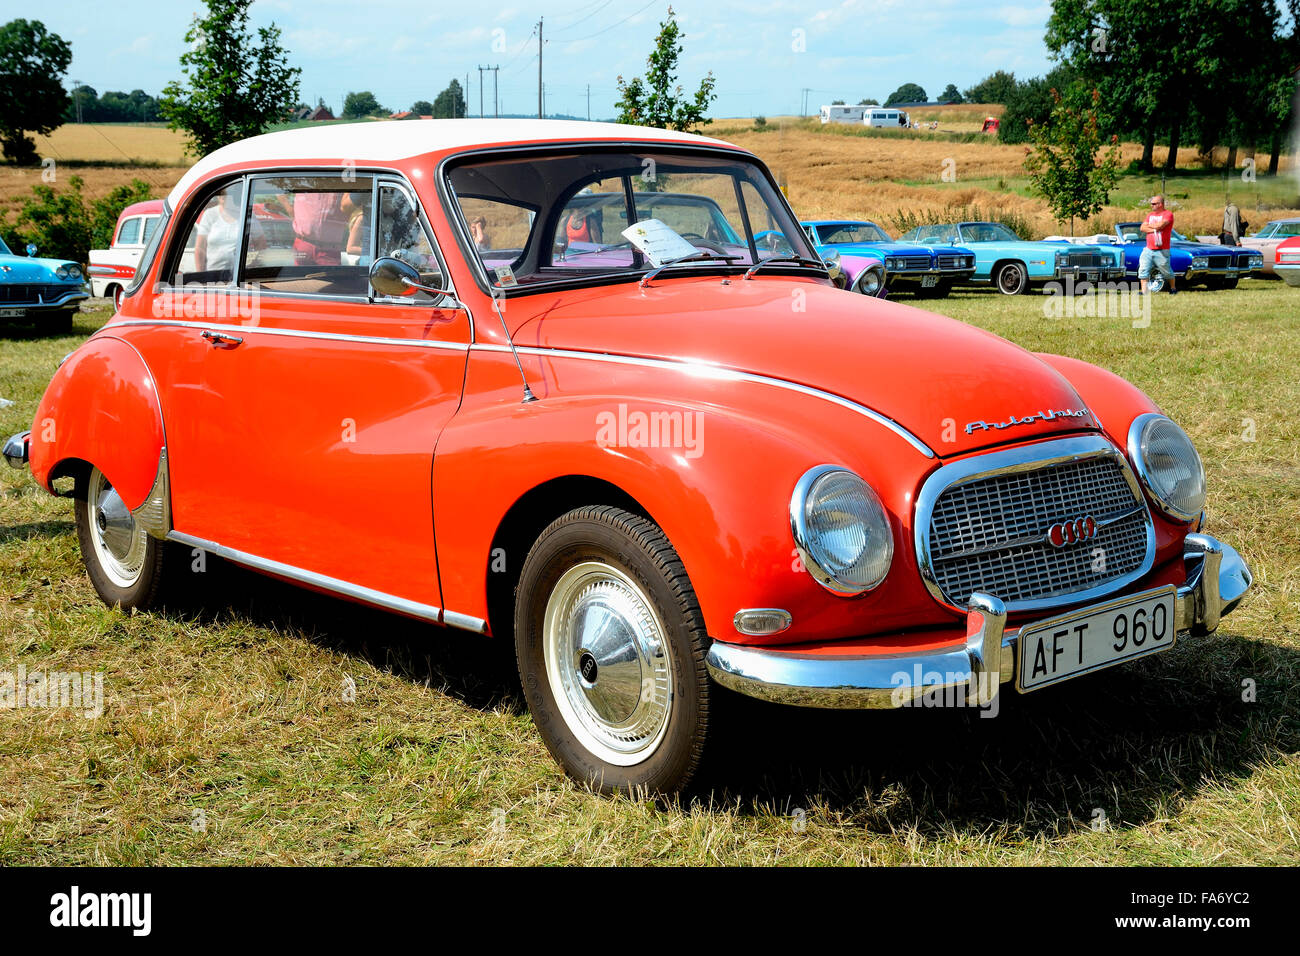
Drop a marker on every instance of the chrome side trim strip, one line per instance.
(155, 513)
(1043, 454)
(297, 333)
(722, 374)
(365, 595)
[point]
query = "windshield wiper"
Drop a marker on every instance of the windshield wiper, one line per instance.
(785, 260)
(694, 257)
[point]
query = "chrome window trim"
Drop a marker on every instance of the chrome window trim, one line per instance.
(720, 373)
(1045, 454)
(365, 595)
(296, 333)
(1134, 442)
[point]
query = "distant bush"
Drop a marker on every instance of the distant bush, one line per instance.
(760, 122)
(64, 225)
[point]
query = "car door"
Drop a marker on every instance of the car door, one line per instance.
(321, 403)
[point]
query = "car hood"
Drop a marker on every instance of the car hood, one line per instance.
(950, 384)
(883, 248)
(24, 269)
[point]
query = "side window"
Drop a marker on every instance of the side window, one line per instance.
(211, 240)
(401, 235)
(150, 224)
(310, 235)
(129, 234)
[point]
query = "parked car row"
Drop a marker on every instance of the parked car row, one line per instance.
(580, 416)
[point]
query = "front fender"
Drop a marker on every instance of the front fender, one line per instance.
(101, 407)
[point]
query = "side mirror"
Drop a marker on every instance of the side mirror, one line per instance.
(1132, 237)
(31, 249)
(391, 276)
(834, 269)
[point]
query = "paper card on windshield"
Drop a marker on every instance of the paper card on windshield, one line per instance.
(657, 241)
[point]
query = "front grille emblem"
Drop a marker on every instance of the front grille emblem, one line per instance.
(1072, 532)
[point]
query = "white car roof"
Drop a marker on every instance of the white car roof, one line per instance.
(380, 141)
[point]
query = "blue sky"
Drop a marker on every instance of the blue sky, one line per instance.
(403, 51)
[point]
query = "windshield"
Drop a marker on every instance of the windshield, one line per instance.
(559, 217)
(4, 250)
(852, 232)
(987, 232)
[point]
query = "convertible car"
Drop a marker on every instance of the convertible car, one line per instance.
(929, 272)
(43, 292)
(1192, 262)
(657, 466)
(1013, 264)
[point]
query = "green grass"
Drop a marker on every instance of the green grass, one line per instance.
(237, 708)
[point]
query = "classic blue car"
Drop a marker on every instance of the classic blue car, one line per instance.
(1192, 262)
(929, 272)
(46, 292)
(1012, 263)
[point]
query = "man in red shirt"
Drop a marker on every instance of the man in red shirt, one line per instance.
(1159, 226)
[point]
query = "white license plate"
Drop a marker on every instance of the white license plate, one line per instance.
(1084, 641)
(12, 313)
(929, 282)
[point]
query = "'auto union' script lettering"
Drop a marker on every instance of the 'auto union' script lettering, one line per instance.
(1047, 416)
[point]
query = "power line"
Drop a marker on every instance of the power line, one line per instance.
(612, 25)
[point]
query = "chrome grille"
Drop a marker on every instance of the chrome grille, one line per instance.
(1087, 260)
(951, 262)
(1219, 262)
(23, 292)
(912, 263)
(990, 533)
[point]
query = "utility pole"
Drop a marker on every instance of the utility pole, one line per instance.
(76, 95)
(496, 103)
(480, 90)
(804, 101)
(588, 102)
(540, 114)
(466, 96)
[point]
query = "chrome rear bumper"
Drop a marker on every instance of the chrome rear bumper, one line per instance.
(1217, 580)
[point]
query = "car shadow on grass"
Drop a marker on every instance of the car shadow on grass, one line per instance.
(1131, 743)
(34, 529)
(1124, 746)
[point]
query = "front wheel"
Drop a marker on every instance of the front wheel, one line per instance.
(1012, 278)
(610, 643)
(125, 564)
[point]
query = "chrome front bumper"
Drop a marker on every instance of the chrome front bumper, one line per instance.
(1217, 580)
(16, 449)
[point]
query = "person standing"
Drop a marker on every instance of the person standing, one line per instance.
(1159, 227)
(1234, 227)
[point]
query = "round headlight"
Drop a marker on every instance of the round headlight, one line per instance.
(61, 272)
(74, 270)
(1168, 466)
(840, 530)
(1200, 262)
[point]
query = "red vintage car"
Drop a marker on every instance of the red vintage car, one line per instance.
(458, 390)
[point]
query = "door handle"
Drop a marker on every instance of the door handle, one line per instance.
(220, 339)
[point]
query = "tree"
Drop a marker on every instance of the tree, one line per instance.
(1064, 165)
(422, 108)
(63, 225)
(869, 101)
(837, 102)
(450, 103)
(994, 88)
(359, 105)
(32, 64)
(950, 94)
(907, 93)
(657, 100)
(1031, 102)
(233, 87)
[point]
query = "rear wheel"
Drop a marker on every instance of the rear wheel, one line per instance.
(610, 643)
(1012, 278)
(125, 564)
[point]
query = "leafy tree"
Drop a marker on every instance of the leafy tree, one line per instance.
(357, 105)
(907, 93)
(869, 101)
(450, 103)
(837, 102)
(1066, 164)
(32, 63)
(63, 225)
(950, 94)
(994, 88)
(657, 100)
(1032, 102)
(422, 108)
(113, 107)
(233, 87)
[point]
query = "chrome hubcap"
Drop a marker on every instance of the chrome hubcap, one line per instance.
(608, 663)
(119, 541)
